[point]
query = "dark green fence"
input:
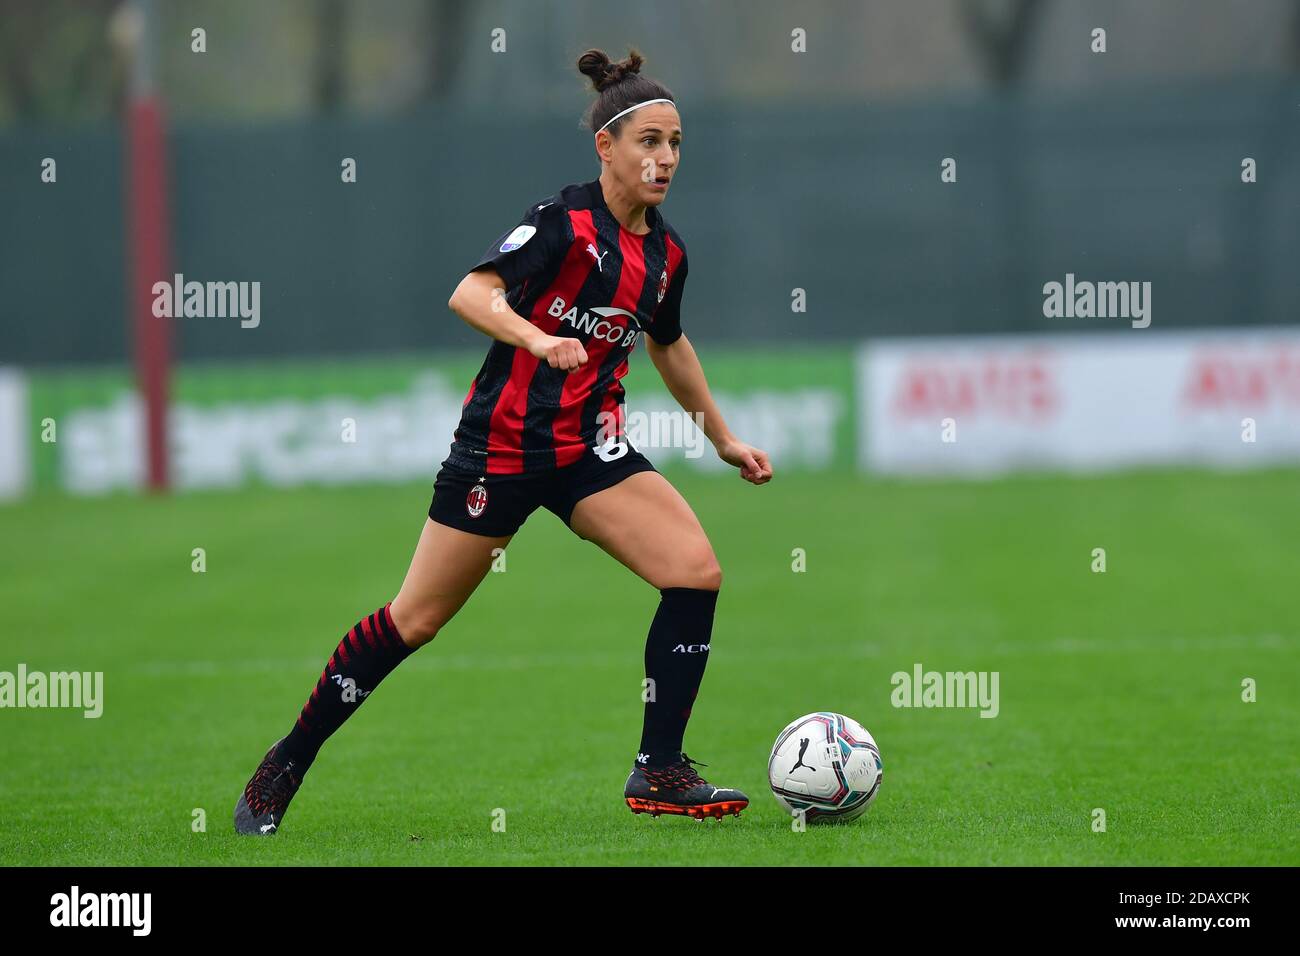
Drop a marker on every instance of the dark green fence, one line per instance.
(845, 203)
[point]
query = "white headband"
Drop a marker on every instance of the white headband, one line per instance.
(631, 108)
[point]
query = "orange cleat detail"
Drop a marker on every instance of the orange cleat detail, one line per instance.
(700, 811)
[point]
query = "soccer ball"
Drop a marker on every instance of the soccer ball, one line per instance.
(827, 766)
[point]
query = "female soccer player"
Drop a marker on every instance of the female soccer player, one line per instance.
(566, 295)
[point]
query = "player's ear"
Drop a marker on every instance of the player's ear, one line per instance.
(605, 146)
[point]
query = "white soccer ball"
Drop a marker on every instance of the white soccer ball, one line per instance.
(826, 766)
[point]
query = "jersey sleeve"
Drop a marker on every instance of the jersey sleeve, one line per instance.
(667, 325)
(539, 241)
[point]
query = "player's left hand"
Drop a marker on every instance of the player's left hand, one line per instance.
(752, 462)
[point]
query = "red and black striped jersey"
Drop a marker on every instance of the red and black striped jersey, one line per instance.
(572, 270)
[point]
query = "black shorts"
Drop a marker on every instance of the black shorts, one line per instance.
(497, 505)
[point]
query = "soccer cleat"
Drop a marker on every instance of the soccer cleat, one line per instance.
(678, 789)
(262, 805)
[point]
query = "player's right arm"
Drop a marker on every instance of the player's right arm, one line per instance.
(480, 300)
(536, 247)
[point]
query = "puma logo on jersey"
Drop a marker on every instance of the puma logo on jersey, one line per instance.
(691, 649)
(597, 256)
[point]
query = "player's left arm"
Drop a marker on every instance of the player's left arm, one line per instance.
(681, 371)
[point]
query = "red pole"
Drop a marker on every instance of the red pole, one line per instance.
(148, 244)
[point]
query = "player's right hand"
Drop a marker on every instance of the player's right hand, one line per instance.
(560, 352)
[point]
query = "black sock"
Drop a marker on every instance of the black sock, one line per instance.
(676, 653)
(366, 655)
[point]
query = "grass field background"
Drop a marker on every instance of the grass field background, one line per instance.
(1119, 690)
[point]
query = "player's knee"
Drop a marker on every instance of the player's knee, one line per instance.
(702, 571)
(417, 626)
(710, 575)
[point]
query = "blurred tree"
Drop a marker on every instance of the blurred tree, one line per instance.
(55, 59)
(447, 20)
(1295, 38)
(329, 81)
(1001, 30)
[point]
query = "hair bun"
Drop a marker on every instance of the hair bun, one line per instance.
(604, 73)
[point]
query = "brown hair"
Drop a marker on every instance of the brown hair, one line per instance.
(618, 86)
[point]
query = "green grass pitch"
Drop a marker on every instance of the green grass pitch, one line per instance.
(1120, 691)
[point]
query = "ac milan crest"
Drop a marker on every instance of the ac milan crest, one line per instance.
(476, 500)
(663, 287)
